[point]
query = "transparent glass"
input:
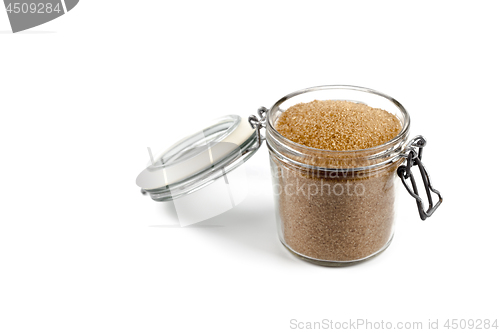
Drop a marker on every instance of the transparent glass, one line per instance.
(335, 208)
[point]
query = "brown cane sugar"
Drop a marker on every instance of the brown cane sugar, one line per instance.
(344, 216)
(337, 125)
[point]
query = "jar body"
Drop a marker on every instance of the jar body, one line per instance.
(335, 208)
(333, 219)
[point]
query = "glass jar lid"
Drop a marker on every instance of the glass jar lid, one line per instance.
(199, 159)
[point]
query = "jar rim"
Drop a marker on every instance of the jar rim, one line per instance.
(401, 135)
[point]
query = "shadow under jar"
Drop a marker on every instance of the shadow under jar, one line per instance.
(335, 208)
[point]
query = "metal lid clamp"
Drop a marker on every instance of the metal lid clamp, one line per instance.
(404, 172)
(258, 123)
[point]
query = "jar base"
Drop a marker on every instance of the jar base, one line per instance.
(331, 263)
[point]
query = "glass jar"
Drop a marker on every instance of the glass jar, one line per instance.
(333, 208)
(336, 208)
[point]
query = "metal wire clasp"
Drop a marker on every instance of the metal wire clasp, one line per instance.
(404, 172)
(258, 123)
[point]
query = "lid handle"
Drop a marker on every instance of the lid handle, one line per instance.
(404, 172)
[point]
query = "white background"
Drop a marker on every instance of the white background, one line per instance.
(83, 96)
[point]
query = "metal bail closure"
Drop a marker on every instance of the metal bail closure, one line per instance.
(404, 172)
